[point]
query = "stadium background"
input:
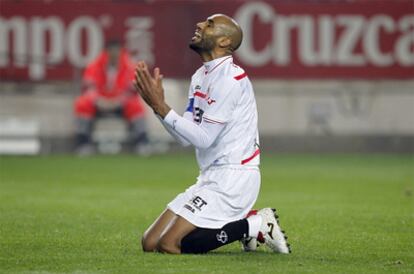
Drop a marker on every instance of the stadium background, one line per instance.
(335, 90)
(329, 75)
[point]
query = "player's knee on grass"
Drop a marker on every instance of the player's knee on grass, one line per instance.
(149, 244)
(166, 245)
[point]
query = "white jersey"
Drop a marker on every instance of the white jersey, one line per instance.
(221, 93)
(221, 123)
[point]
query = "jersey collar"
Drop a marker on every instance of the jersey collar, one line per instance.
(213, 64)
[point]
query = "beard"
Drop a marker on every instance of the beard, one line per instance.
(203, 45)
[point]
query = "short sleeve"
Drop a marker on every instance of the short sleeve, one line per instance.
(221, 101)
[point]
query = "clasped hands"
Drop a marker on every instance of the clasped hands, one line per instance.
(150, 88)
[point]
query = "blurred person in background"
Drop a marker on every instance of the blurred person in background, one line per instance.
(107, 89)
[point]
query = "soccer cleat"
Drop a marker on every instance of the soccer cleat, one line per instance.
(270, 231)
(249, 244)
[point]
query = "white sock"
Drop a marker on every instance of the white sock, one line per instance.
(255, 222)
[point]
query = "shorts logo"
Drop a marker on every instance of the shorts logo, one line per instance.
(189, 208)
(198, 203)
(195, 203)
(222, 237)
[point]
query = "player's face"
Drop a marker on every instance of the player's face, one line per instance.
(204, 38)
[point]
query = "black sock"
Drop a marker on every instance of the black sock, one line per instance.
(202, 240)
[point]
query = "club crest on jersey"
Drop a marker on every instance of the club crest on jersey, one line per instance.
(197, 87)
(210, 101)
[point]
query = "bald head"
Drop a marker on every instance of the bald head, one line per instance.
(219, 35)
(228, 27)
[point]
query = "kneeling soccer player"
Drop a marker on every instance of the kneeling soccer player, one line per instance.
(221, 123)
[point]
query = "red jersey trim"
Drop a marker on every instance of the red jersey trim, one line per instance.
(211, 121)
(241, 76)
(200, 94)
(245, 161)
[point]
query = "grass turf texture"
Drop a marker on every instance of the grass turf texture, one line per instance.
(343, 214)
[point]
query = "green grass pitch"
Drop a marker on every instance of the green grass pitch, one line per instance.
(342, 213)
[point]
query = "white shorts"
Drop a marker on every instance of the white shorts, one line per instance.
(222, 194)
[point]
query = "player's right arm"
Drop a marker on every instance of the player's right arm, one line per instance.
(188, 115)
(200, 136)
(224, 99)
